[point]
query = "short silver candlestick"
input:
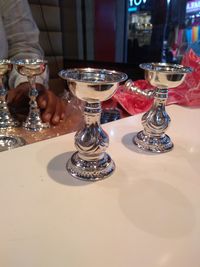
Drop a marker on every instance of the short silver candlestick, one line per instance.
(156, 120)
(32, 68)
(91, 162)
(6, 120)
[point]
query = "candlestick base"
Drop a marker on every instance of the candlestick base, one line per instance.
(156, 144)
(34, 124)
(8, 142)
(90, 170)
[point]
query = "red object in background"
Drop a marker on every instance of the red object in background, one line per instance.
(104, 35)
(187, 94)
(131, 102)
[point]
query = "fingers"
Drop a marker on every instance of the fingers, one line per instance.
(47, 102)
(42, 101)
(53, 107)
(63, 112)
(59, 112)
(57, 115)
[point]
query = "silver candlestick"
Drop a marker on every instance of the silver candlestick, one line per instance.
(6, 120)
(91, 162)
(7, 141)
(31, 68)
(156, 120)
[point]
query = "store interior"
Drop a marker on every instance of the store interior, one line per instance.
(163, 33)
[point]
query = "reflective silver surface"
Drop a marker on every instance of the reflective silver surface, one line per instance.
(6, 120)
(91, 162)
(8, 142)
(92, 85)
(156, 120)
(164, 75)
(31, 68)
(130, 87)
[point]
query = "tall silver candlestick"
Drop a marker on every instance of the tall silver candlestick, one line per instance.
(7, 141)
(31, 68)
(6, 120)
(91, 162)
(156, 120)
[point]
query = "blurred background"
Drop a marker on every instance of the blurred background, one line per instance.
(115, 34)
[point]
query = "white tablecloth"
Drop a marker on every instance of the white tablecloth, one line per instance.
(147, 214)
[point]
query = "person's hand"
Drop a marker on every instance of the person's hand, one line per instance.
(52, 107)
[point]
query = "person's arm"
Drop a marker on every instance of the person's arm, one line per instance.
(23, 42)
(22, 36)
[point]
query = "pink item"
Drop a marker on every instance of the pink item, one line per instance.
(187, 94)
(131, 102)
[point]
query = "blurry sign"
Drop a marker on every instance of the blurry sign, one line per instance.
(193, 6)
(133, 3)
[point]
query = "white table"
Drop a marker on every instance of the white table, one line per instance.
(147, 214)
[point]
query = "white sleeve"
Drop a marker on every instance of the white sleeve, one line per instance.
(23, 37)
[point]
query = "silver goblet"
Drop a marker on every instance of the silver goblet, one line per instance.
(6, 120)
(31, 68)
(156, 120)
(91, 162)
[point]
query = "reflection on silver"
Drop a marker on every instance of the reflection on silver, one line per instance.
(91, 162)
(6, 120)
(8, 142)
(163, 75)
(31, 68)
(156, 120)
